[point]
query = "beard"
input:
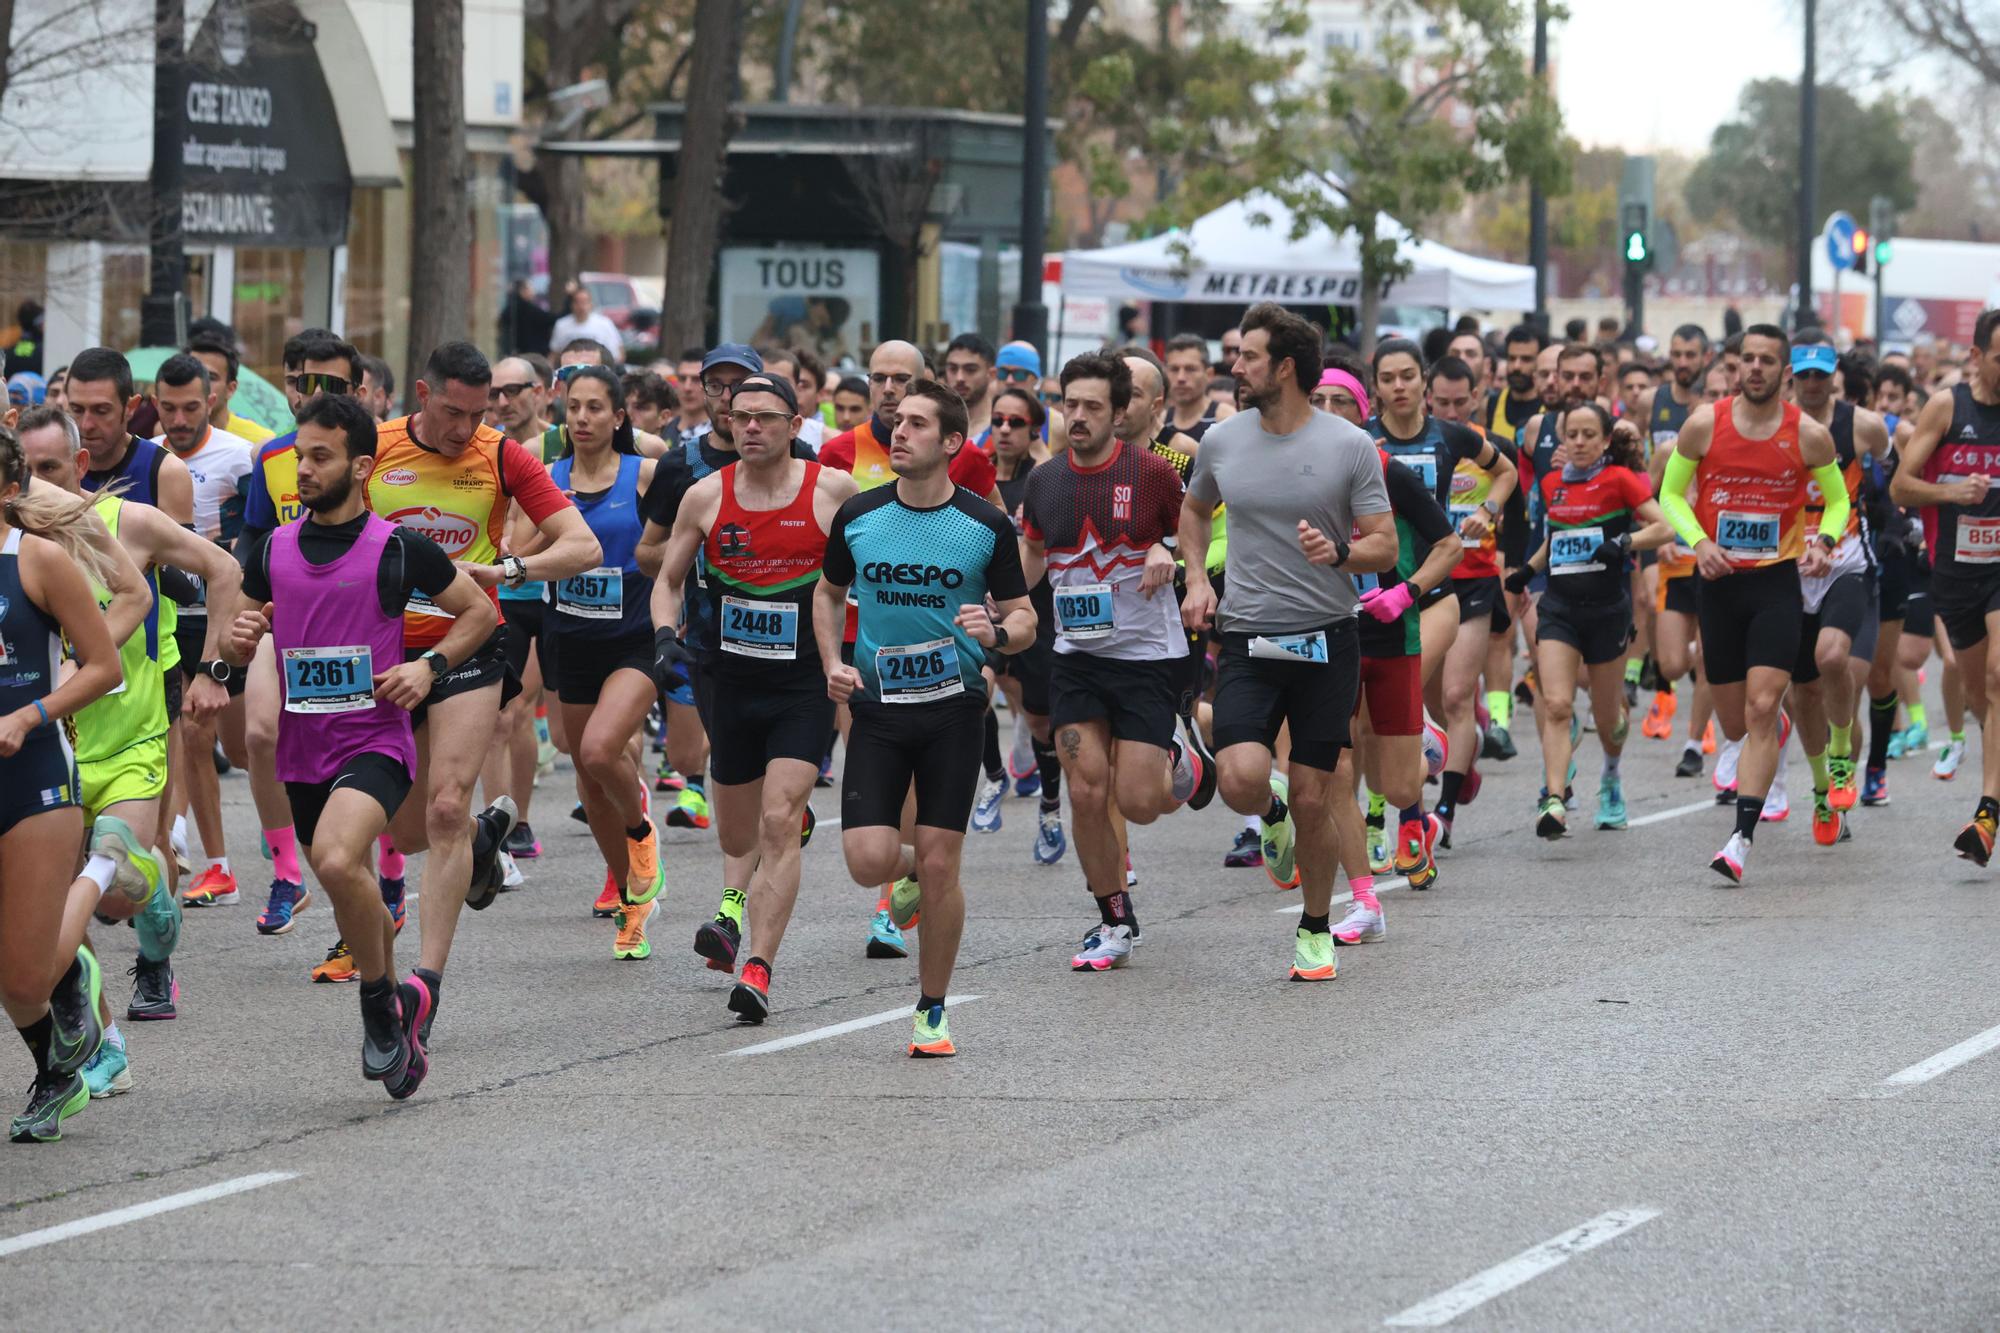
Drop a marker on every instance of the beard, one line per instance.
(1264, 399)
(332, 494)
(1520, 385)
(1751, 395)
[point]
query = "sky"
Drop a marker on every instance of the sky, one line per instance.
(1627, 77)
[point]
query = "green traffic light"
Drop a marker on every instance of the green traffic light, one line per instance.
(1635, 247)
(1882, 253)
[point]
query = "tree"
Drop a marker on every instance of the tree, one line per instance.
(1751, 172)
(440, 184)
(696, 225)
(1964, 30)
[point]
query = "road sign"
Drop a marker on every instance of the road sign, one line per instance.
(1839, 237)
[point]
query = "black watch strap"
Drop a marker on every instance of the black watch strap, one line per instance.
(440, 668)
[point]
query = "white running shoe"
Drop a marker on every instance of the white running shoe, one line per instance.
(1021, 759)
(986, 812)
(510, 874)
(1726, 756)
(179, 841)
(1948, 760)
(1730, 860)
(1104, 948)
(1777, 804)
(1361, 925)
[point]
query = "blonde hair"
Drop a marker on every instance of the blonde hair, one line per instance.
(70, 521)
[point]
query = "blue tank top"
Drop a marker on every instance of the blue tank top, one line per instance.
(30, 640)
(615, 599)
(140, 472)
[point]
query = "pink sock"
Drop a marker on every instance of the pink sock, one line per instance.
(392, 860)
(284, 854)
(1364, 892)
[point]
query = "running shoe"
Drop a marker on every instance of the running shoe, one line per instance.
(1610, 803)
(1659, 723)
(385, 1044)
(395, 897)
(1551, 818)
(281, 910)
(76, 1030)
(1247, 852)
(1131, 875)
(884, 940)
(644, 875)
(1104, 948)
(717, 940)
(1875, 785)
(631, 942)
(986, 809)
(667, 779)
(1361, 925)
(1021, 760)
(690, 809)
(522, 844)
(1729, 862)
(1917, 738)
(213, 887)
(511, 877)
(1948, 760)
(490, 829)
(1206, 776)
(579, 814)
(1841, 793)
(1443, 843)
(1312, 955)
(1827, 825)
(156, 993)
(1468, 790)
(1499, 744)
(906, 901)
(52, 1099)
(1276, 840)
(931, 1037)
(414, 1008)
(1380, 855)
(338, 966)
(1725, 767)
(1975, 840)
(807, 823)
(1415, 860)
(158, 923)
(750, 998)
(825, 778)
(607, 899)
(1690, 764)
(1777, 802)
(1029, 786)
(109, 1072)
(1050, 841)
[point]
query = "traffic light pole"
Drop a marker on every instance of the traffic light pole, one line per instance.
(1881, 315)
(1808, 169)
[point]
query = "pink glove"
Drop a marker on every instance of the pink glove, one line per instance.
(1386, 604)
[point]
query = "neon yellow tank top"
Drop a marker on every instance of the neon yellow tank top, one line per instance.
(137, 710)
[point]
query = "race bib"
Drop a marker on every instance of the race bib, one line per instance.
(1459, 513)
(1746, 536)
(329, 680)
(918, 673)
(595, 594)
(1425, 465)
(752, 628)
(1571, 549)
(421, 605)
(1290, 647)
(1978, 541)
(1083, 611)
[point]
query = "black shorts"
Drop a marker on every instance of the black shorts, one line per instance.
(1892, 580)
(1137, 699)
(749, 725)
(174, 681)
(41, 777)
(937, 745)
(1477, 597)
(583, 665)
(525, 628)
(1679, 594)
(1961, 603)
(1601, 631)
(1503, 619)
(381, 776)
(190, 642)
(487, 666)
(1031, 666)
(1849, 606)
(1256, 696)
(1755, 618)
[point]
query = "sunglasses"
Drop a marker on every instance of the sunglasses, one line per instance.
(565, 374)
(502, 392)
(314, 382)
(1049, 399)
(1017, 423)
(1016, 374)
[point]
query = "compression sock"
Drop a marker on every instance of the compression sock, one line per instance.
(1116, 910)
(1881, 727)
(1917, 715)
(1634, 667)
(1500, 706)
(1840, 741)
(1611, 763)
(1276, 814)
(284, 854)
(1051, 770)
(1378, 807)
(1412, 814)
(732, 906)
(1749, 809)
(995, 769)
(1817, 763)
(1448, 788)
(1364, 892)
(1315, 925)
(392, 863)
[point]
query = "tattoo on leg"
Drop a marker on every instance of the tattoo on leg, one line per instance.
(1072, 742)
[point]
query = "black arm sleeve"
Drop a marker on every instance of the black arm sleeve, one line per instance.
(1416, 504)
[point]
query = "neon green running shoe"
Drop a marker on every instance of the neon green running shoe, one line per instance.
(904, 901)
(1276, 840)
(1312, 955)
(690, 809)
(53, 1099)
(931, 1037)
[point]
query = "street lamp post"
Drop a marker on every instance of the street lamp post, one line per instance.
(1031, 317)
(1538, 202)
(1808, 172)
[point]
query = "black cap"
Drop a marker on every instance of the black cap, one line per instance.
(777, 384)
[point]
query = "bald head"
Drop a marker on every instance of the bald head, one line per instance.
(516, 398)
(1142, 417)
(891, 367)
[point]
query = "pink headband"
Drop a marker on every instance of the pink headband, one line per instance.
(1335, 377)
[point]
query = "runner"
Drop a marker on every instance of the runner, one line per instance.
(1675, 653)
(760, 524)
(218, 353)
(968, 372)
(48, 561)
(1520, 398)
(937, 576)
(602, 630)
(1747, 458)
(1299, 484)
(443, 474)
(692, 413)
(346, 751)
(589, 352)
(1097, 521)
(1600, 508)
(1947, 471)
(1191, 410)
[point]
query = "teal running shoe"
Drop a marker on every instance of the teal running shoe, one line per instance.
(884, 940)
(1276, 840)
(135, 871)
(1610, 803)
(109, 1072)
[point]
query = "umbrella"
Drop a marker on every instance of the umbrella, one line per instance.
(256, 398)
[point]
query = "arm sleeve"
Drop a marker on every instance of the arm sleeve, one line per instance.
(838, 564)
(1416, 504)
(1833, 522)
(1674, 502)
(1004, 579)
(529, 483)
(251, 554)
(1463, 442)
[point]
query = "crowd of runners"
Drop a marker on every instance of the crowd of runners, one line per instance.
(1326, 589)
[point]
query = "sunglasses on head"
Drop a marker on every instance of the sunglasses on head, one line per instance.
(311, 382)
(1016, 374)
(1017, 423)
(564, 374)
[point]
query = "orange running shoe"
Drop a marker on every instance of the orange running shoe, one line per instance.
(1708, 740)
(339, 965)
(1659, 723)
(608, 902)
(213, 887)
(1975, 840)
(1826, 821)
(644, 875)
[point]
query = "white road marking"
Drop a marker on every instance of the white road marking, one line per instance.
(1662, 816)
(1475, 1291)
(84, 1226)
(1944, 1061)
(1381, 886)
(841, 1029)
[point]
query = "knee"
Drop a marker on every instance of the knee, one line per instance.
(937, 869)
(449, 807)
(336, 866)
(1089, 791)
(777, 827)
(1310, 803)
(1457, 695)
(1557, 708)
(600, 756)
(261, 738)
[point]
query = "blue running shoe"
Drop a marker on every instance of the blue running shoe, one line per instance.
(884, 940)
(1050, 841)
(281, 910)
(1875, 786)
(1028, 786)
(986, 812)
(108, 1073)
(392, 898)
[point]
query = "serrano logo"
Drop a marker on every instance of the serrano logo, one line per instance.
(914, 576)
(451, 531)
(398, 476)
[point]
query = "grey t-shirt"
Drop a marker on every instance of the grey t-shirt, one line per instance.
(1328, 473)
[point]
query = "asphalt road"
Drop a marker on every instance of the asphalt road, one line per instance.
(1580, 1085)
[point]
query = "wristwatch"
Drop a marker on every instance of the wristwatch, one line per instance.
(434, 659)
(1826, 541)
(1000, 636)
(513, 570)
(1340, 550)
(1491, 511)
(218, 671)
